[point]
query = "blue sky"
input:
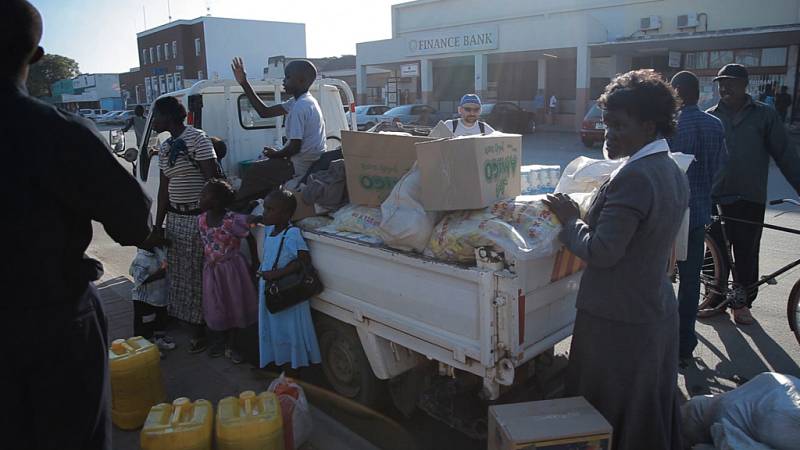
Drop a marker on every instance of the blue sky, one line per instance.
(101, 34)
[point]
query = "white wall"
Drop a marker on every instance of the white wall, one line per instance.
(619, 18)
(254, 41)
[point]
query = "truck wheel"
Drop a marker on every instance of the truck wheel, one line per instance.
(346, 365)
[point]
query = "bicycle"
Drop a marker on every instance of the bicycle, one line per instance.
(715, 267)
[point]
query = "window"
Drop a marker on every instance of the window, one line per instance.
(249, 118)
(144, 56)
(178, 84)
(200, 75)
(162, 81)
(158, 53)
(749, 58)
(174, 49)
(773, 57)
(197, 47)
(170, 83)
(698, 60)
(166, 52)
(719, 58)
(148, 89)
(152, 56)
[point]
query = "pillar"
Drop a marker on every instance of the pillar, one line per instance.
(792, 60)
(426, 80)
(482, 75)
(361, 85)
(582, 83)
(541, 78)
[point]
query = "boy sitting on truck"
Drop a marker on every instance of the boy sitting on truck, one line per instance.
(305, 128)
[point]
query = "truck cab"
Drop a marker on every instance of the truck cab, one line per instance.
(221, 109)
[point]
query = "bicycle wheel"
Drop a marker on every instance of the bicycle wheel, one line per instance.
(713, 275)
(793, 310)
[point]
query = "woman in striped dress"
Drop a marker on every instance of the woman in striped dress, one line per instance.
(186, 160)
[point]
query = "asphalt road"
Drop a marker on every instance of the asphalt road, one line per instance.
(727, 354)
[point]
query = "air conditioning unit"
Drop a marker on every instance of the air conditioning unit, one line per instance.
(650, 23)
(688, 21)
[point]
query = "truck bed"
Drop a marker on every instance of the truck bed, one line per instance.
(483, 321)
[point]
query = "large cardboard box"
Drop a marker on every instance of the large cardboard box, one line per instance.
(469, 172)
(562, 424)
(375, 162)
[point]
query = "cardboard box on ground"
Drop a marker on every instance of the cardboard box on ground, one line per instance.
(562, 424)
(375, 162)
(469, 172)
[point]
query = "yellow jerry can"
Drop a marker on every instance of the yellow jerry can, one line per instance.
(250, 422)
(182, 425)
(136, 383)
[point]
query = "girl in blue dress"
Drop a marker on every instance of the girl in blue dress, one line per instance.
(286, 337)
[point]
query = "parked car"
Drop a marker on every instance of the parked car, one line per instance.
(121, 119)
(414, 114)
(508, 117)
(108, 118)
(593, 130)
(92, 114)
(368, 115)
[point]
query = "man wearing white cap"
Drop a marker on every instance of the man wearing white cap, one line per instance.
(470, 110)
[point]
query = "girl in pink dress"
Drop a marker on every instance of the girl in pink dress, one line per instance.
(230, 300)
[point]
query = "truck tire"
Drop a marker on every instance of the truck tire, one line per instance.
(346, 365)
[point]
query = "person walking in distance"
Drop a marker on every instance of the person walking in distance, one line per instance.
(59, 181)
(702, 135)
(753, 133)
(782, 103)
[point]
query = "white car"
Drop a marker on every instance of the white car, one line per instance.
(367, 116)
(92, 114)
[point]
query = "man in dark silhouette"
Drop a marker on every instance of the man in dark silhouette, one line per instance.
(60, 176)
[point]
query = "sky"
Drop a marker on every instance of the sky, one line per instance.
(101, 34)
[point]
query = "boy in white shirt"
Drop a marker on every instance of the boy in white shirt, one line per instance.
(468, 125)
(305, 128)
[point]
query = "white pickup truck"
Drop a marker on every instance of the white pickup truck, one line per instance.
(385, 314)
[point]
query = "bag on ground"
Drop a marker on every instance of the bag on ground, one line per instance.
(296, 413)
(762, 413)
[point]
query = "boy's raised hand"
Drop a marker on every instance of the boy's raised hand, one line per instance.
(237, 66)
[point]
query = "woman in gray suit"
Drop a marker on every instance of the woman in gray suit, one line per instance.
(624, 354)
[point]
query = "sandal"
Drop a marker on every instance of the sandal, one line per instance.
(197, 346)
(234, 356)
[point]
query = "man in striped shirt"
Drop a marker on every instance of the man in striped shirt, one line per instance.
(702, 135)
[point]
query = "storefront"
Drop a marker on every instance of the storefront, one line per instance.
(509, 51)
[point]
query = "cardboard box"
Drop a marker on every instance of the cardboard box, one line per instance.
(375, 162)
(562, 424)
(469, 172)
(303, 209)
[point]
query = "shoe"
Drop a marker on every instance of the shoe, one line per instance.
(197, 346)
(234, 356)
(216, 350)
(742, 316)
(710, 312)
(165, 343)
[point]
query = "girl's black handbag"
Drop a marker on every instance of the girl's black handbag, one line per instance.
(293, 288)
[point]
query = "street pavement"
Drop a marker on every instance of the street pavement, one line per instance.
(727, 355)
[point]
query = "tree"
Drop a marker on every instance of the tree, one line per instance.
(47, 71)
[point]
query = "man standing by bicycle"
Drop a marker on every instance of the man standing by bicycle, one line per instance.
(702, 135)
(753, 133)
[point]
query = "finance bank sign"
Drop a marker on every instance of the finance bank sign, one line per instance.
(466, 40)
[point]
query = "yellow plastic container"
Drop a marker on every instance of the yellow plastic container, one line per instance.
(136, 383)
(182, 425)
(250, 422)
